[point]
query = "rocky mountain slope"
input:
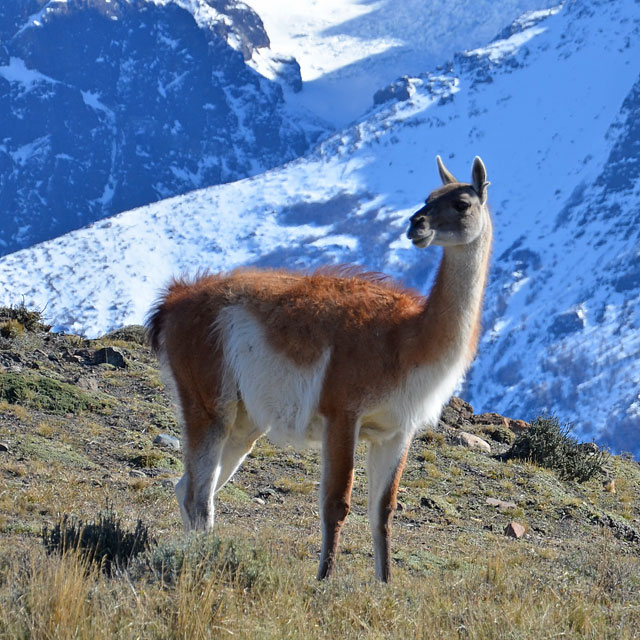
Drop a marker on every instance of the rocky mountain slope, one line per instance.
(146, 100)
(86, 425)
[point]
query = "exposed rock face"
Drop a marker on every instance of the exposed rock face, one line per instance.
(399, 90)
(458, 419)
(145, 101)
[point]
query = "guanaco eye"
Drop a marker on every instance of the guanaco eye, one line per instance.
(461, 205)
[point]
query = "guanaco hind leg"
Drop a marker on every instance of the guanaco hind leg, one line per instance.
(240, 442)
(195, 490)
(385, 464)
(214, 449)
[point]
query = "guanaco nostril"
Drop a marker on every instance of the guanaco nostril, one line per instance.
(416, 224)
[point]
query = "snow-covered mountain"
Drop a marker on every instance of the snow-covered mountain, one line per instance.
(348, 49)
(107, 105)
(552, 107)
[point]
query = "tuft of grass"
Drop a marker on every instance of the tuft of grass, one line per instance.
(16, 469)
(104, 543)
(548, 444)
(150, 459)
(295, 485)
(44, 429)
(11, 329)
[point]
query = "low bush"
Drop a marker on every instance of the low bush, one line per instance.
(233, 562)
(28, 320)
(548, 444)
(105, 542)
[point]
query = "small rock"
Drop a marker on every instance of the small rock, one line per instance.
(70, 357)
(399, 506)
(136, 473)
(473, 442)
(168, 483)
(501, 504)
(110, 355)
(87, 383)
(4, 446)
(259, 501)
(514, 530)
(168, 441)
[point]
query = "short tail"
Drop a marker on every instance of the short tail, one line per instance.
(154, 323)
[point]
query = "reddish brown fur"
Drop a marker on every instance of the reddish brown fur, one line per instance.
(375, 327)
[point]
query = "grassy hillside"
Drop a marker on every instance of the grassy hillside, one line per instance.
(78, 420)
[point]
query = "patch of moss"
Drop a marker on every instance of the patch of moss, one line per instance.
(133, 333)
(231, 492)
(40, 392)
(51, 450)
(164, 419)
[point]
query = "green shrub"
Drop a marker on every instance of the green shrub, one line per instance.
(47, 394)
(103, 542)
(548, 444)
(229, 561)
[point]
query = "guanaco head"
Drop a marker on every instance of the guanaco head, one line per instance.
(454, 214)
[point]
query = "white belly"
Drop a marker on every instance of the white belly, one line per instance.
(280, 397)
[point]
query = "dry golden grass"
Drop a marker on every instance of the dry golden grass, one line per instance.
(575, 575)
(265, 592)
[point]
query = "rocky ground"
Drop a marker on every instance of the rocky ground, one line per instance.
(87, 423)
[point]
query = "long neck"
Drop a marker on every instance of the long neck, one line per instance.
(447, 329)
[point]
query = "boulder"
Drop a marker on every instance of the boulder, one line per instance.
(473, 442)
(166, 440)
(110, 355)
(501, 504)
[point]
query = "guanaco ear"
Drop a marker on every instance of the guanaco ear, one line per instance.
(445, 175)
(479, 179)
